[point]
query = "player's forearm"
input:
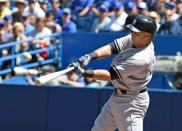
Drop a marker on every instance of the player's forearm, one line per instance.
(97, 54)
(103, 51)
(99, 74)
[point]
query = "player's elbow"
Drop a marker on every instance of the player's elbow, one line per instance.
(102, 75)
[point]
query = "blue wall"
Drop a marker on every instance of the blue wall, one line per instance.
(23, 108)
(27, 108)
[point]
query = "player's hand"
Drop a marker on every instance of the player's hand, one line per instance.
(84, 60)
(78, 69)
(74, 64)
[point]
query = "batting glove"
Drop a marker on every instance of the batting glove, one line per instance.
(73, 64)
(81, 71)
(78, 69)
(84, 60)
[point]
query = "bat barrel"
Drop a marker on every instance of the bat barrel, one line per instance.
(46, 78)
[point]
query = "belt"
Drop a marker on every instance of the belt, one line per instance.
(122, 91)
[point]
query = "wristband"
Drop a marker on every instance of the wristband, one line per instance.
(89, 73)
(93, 55)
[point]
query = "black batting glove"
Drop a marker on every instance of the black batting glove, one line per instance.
(79, 70)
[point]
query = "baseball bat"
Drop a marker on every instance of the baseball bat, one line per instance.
(46, 78)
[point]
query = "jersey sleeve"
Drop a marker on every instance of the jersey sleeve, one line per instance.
(122, 43)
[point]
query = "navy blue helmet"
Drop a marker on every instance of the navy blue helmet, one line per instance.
(143, 24)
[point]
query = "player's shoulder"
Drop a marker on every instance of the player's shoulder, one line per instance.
(124, 41)
(144, 57)
(125, 38)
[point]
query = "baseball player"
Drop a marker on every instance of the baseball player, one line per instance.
(130, 72)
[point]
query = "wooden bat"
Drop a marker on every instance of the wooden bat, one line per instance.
(46, 78)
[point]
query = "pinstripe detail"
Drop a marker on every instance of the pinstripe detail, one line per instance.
(131, 125)
(119, 75)
(117, 45)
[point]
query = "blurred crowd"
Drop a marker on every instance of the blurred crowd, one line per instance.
(20, 19)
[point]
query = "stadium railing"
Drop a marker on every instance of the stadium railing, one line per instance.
(55, 49)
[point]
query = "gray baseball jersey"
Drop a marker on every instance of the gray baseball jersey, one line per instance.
(131, 70)
(133, 66)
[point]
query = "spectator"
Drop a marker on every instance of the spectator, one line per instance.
(19, 6)
(5, 32)
(54, 27)
(18, 35)
(179, 7)
(41, 34)
(4, 9)
(118, 21)
(110, 4)
(169, 24)
(160, 7)
(29, 29)
(101, 23)
(43, 5)
(17, 16)
(142, 8)
(9, 22)
(33, 8)
(67, 24)
(154, 15)
(152, 4)
(81, 13)
(132, 11)
(51, 24)
(2, 31)
(55, 9)
(176, 26)
(171, 9)
(50, 16)
(131, 8)
(165, 28)
(81, 7)
(65, 3)
(32, 20)
(5, 51)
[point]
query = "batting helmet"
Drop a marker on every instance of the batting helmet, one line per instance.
(143, 24)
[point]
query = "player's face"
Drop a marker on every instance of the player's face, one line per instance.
(141, 39)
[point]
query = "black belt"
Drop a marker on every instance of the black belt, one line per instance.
(122, 91)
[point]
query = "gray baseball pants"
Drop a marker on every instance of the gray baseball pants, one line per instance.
(125, 112)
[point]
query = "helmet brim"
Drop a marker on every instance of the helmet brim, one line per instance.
(132, 28)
